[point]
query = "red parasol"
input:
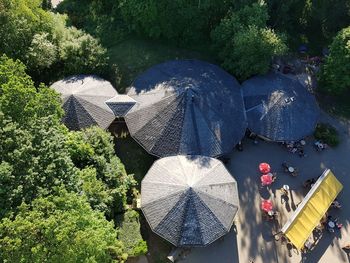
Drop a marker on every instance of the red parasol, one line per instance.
(264, 168)
(266, 205)
(266, 179)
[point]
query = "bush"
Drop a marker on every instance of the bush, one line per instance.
(327, 133)
(42, 53)
(130, 235)
(252, 51)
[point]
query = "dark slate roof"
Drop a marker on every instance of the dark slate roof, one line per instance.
(279, 108)
(189, 200)
(121, 104)
(84, 101)
(186, 107)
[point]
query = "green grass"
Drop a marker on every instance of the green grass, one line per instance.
(133, 56)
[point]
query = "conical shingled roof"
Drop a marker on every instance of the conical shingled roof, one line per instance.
(189, 200)
(279, 108)
(186, 107)
(84, 100)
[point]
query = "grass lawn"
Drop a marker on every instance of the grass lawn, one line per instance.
(133, 56)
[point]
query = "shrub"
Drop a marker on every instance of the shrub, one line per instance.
(130, 234)
(327, 133)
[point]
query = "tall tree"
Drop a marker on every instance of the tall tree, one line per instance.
(34, 160)
(335, 77)
(60, 228)
(245, 44)
(20, 100)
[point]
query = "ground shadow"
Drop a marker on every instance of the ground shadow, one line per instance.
(223, 250)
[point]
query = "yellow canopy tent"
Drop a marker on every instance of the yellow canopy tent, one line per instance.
(311, 210)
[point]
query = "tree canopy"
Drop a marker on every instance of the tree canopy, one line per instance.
(335, 77)
(59, 228)
(244, 42)
(107, 183)
(54, 183)
(34, 160)
(42, 40)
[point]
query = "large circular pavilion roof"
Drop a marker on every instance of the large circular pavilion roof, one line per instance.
(186, 107)
(189, 200)
(279, 108)
(84, 100)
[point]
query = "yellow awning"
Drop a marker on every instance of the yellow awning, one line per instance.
(311, 210)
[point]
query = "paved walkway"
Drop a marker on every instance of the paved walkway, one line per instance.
(252, 238)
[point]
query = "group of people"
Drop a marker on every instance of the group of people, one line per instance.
(331, 223)
(296, 147)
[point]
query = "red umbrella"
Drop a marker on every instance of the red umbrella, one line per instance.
(266, 205)
(266, 179)
(264, 168)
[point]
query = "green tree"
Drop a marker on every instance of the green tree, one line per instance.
(44, 42)
(34, 160)
(42, 53)
(13, 70)
(181, 21)
(96, 191)
(20, 100)
(60, 228)
(245, 44)
(313, 22)
(94, 147)
(20, 20)
(335, 77)
(80, 53)
(252, 50)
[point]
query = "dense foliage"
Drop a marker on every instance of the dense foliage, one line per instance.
(20, 100)
(106, 185)
(245, 44)
(130, 235)
(45, 44)
(101, 18)
(327, 133)
(335, 76)
(33, 157)
(181, 21)
(33, 161)
(312, 22)
(45, 166)
(60, 228)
